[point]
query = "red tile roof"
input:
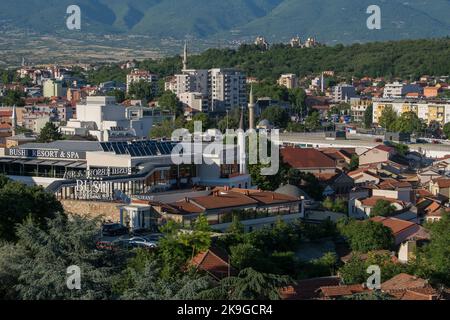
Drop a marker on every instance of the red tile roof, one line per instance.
(382, 147)
(442, 182)
(372, 201)
(308, 289)
(342, 291)
(396, 225)
(214, 261)
(306, 158)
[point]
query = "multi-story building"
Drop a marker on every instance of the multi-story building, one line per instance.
(53, 88)
(106, 120)
(428, 110)
(137, 75)
(194, 100)
(343, 92)
(262, 42)
(400, 90)
(359, 107)
(227, 89)
(289, 81)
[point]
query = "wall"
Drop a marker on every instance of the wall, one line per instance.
(108, 210)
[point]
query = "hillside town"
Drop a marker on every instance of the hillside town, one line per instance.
(363, 178)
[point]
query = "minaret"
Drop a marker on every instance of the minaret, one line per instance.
(14, 120)
(241, 121)
(241, 145)
(185, 56)
(251, 110)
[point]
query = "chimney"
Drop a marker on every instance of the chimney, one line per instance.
(186, 199)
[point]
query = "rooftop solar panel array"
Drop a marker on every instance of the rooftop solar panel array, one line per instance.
(139, 148)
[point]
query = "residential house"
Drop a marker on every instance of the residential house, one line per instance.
(309, 160)
(401, 229)
(440, 187)
(364, 177)
(379, 154)
(215, 262)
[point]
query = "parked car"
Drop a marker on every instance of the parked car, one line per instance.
(135, 242)
(139, 242)
(114, 229)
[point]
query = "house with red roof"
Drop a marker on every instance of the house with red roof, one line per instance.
(308, 160)
(401, 229)
(215, 262)
(379, 154)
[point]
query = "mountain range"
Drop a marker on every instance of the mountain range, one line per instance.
(330, 21)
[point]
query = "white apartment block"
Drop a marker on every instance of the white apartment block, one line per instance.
(398, 90)
(428, 110)
(194, 100)
(221, 88)
(228, 88)
(137, 75)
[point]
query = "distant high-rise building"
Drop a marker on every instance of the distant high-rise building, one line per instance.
(296, 42)
(261, 42)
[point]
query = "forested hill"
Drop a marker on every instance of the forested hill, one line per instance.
(405, 59)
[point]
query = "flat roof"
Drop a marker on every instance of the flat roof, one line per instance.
(65, 145)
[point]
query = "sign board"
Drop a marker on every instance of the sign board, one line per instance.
(45, 154)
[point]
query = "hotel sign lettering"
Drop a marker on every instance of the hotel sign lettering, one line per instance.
(47, 154)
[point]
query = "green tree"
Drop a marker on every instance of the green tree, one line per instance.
(446, 130)
(297, 98)
(409, 122)
(170, 102)
(141, 90)
(354, 162)
(206, 122)
(368, 117)
(367, 235)
(312, 122)
(434, 258)
(388, 119)
(245, 255)
(49, 133)
(251, 285)
(276, 116)
(383, 208)
(118, 94)
(35, 203)
(43, 256)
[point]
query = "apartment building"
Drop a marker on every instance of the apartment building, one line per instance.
(428, 110)
(400, 90)
(137, 75)
(289, 81)
(343, 92)
(53, 88)
(359, 107)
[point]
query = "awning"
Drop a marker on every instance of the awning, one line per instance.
(33, 162)
(48, 163)
(6, 160)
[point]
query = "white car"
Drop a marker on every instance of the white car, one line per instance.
(141, 242)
